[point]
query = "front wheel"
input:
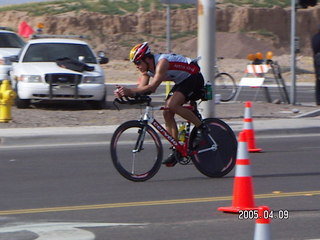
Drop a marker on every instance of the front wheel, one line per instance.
(226, 86)
(216, 154)
(136, 151)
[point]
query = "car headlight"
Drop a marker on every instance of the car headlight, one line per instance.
(5, 61)
(93, 79)
(31, 78)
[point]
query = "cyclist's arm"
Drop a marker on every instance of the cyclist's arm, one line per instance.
(143, 79)
(160, 75)
(121, 91)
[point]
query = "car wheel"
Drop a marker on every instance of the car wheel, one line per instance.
(22, 103)
(98, 104)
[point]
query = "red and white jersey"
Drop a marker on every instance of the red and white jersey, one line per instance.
(180, 67)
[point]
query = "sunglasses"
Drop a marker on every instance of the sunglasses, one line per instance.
(138, 62)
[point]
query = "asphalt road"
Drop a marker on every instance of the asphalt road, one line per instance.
(73, 192)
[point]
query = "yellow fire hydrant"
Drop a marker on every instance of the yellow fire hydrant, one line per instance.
(7, 95)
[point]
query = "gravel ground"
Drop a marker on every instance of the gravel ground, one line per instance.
(76, 114)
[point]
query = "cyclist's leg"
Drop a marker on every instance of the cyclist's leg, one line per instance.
(171, 127)
(189, 89)
(179, 95)
(175, 105)
(192, 89)
(170, 121)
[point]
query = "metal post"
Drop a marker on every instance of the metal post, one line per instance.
(206, 47)
(168, 28)
(293, 52)
(168, 83)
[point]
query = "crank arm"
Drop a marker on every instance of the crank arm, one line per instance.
(212, 148)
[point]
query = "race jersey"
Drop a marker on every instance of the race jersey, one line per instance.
(180, 67)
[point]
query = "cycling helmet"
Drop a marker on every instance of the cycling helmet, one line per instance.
(139, 51)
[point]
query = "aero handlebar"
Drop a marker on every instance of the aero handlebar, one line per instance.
(138, 99)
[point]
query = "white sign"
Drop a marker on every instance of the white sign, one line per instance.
(251, 82)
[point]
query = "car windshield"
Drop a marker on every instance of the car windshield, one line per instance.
(10, 40)
(50, 52)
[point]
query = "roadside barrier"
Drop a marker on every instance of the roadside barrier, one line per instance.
(243, 198)
(262, 227)
(258, 68)
(248, 129)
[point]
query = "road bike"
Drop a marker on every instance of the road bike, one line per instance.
(225, 85)
(136, 148)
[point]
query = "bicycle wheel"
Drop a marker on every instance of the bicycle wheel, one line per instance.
(216, 154)
(136, 151)
(225, 85)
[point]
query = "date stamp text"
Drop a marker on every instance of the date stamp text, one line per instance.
(267, 214)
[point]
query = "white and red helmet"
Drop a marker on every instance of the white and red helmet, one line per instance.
(139, 51)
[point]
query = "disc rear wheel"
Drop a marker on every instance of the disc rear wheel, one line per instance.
(216, 153)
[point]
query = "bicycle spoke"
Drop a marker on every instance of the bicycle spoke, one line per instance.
(136, 151)
(133, 162)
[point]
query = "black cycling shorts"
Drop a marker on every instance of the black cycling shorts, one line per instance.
(191, 88)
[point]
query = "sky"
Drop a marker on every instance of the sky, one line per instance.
(10, 2)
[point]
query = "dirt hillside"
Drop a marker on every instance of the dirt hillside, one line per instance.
(239, 30)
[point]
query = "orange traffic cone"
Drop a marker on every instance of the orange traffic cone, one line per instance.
(243, 187)
(248, 128)
(262, 227)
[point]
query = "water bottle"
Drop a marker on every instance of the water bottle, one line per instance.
(208, 88)
(182, 132)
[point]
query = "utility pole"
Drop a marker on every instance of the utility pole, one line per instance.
(206, 48)
(294, 48)
(168, 28)
(295, 4)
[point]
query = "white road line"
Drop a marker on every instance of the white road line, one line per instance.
(61, 230)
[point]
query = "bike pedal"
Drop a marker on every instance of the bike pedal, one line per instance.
(171, 164)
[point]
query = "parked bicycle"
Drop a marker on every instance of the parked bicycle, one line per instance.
(225, 85)
(136, 149)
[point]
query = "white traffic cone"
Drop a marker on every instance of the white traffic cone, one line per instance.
(262, 227)
(248, 129)
(243, 198)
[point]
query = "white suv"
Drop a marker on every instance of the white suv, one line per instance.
(37, 76)
(10, 44)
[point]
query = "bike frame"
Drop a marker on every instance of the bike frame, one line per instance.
(182, 148)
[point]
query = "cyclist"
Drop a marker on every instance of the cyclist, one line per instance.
(188, 80)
